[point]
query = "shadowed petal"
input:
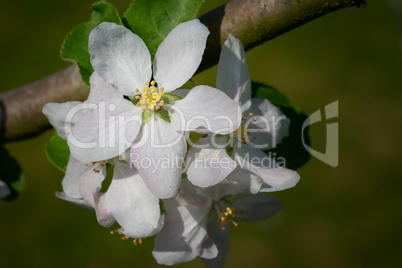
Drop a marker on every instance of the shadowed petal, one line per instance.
(233, 77)
(265, 167)
(247, 179)
(221, 238)
(4, 190)
(257, 207)
(183, 235)
(272, 125)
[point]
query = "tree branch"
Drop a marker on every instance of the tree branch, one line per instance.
(252, 21)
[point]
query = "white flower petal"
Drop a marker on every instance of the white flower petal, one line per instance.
(158, 156)
(247, 179)
(4, 190)
(76, 201)
(103, 213)
(271, 123)
(100, 90)
(233, 76)
(259, 163)
(187, 196)
(181, 238)
(206, 108)
(180, 54)
(106, 131)
(222, 189)
(89, 189)
(221, 238)
(132, 205)
(71, 181)
(120, 57)
(57, 112)
(208, 162)
(257, 207)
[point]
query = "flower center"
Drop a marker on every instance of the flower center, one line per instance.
(243, 131)
(151, 97)
(98, 165)
(226, 214)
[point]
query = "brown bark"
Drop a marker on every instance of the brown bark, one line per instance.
(251, 21)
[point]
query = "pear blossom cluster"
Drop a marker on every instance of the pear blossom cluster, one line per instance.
(187, 164)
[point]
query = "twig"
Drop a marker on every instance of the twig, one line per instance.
(252, 21)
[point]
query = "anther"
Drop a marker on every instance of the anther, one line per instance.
(152, 83)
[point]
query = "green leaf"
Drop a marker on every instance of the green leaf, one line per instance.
(146, 116)
(75, 46)
(152, 20)
(164, 115)
(169, 98)
(58, 152)
(291, 148)
(277, 98)
(11, 174)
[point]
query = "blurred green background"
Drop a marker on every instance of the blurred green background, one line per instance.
(349, 216)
